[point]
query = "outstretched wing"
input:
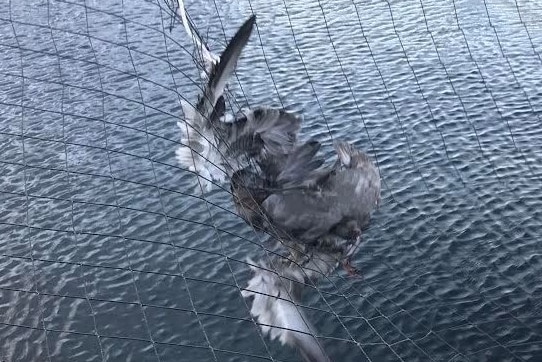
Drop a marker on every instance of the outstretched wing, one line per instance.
(198, 131)
(224, 68)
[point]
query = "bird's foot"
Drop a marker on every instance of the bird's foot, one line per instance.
(351, 270)
(355, 233)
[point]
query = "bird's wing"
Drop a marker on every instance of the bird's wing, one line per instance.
(262, 132)
(197, 128)
(224, 69)
(357, 189)
(276, 291)
(278, 128)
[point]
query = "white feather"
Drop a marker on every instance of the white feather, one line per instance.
(203, 159)
(209, 58)
(275, 308)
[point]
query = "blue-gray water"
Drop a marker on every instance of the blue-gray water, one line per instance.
(106, 255)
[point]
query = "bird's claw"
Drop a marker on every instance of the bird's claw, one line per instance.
(351, 270)
(355, 233)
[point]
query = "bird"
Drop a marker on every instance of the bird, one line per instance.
(216, 143)
(314, 213)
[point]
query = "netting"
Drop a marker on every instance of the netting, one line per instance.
(108, 252)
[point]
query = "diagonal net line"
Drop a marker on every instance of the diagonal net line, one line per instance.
(142, 271)
(358, 14)
(331, 136)
(268, 252)
(276, 89)
(152, 165)
(75, 236)
(198, 84)
(349, 85)
(122, 228)
(136, 22)
(329, 131)
(488, 89)
(222, 245)
(121, 338)
(324, 117)
(155, 177)
(517, 225)
(279, 96)
(462, 104)
(517, 197)
(401, 124)
(464, 110)
(527, 31)
(161, 273)
(466, 185)
(370, 140)
(506, 57)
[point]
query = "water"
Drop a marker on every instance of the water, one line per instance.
(107, 250)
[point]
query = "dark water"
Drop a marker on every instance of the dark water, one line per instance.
(108, 253)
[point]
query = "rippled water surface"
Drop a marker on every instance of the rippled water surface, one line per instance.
(108, 252)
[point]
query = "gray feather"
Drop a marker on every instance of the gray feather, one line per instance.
(304, 214)
(300, 166)
(198, 127)
(225, 67)
(263, 131)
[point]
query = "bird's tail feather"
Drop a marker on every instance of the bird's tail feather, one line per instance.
(344, 151)
(274, 306)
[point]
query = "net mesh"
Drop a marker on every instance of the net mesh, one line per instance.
(108, 252)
